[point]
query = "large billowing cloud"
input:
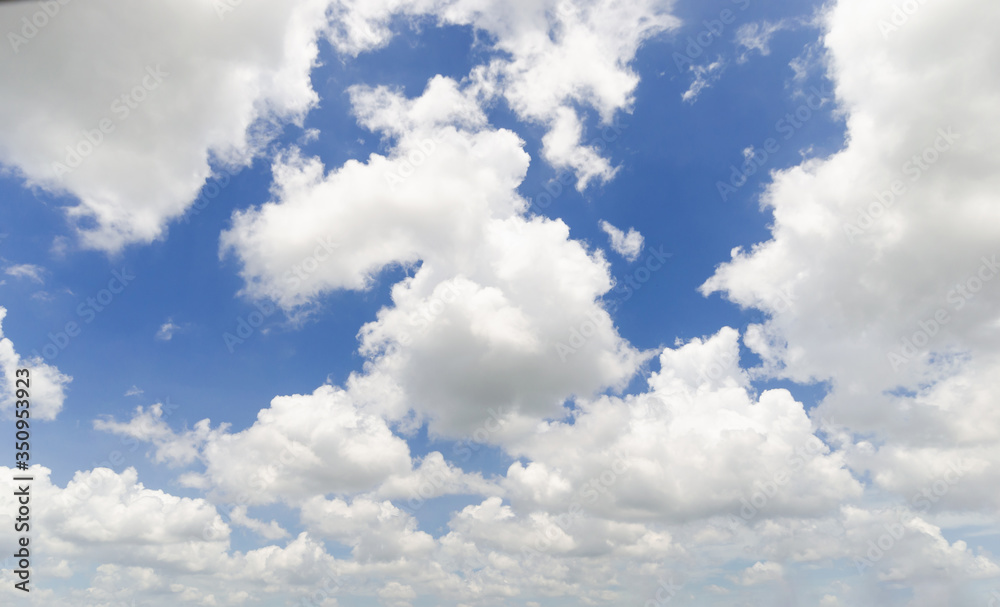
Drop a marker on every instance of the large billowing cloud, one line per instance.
(502, 314)
(902, 226)
(180, 84)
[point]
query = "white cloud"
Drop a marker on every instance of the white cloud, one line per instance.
(177, 86)
(694, 446)
(167, 330)
(434, 477)
(908, 336)
(550, 57)
(134, 391)
(26, 270)
(757, 37)
(269, 531)
(697, 471)
(627, 245)
(148, 425)
(487, 316)
(46, 384)
(704, 76)
(374, 530)
(302, 445)
(110, 517)
(761, 572)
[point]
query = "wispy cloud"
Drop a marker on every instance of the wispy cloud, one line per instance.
(26, 270)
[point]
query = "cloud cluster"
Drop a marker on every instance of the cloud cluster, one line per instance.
(549, 58)
(493, 295)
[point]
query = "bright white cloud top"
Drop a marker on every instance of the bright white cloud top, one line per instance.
(500, 433)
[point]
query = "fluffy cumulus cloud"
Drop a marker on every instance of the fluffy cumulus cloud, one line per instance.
(901, 225)
(102, 515)
(708, 485)
(552, 57)
(302, 445)
(486, 320)
(697, 444)
(181, 85)
(44, 383)
(130, 541)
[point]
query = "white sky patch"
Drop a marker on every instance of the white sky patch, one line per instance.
(628, 245)
(26, 270)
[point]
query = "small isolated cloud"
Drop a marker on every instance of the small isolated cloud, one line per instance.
(134, 391)
(627, 245)
(704, 75)
(26, 270)
(757, 37)
(167, 330)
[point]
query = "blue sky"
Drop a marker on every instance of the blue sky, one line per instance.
(212, 202)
